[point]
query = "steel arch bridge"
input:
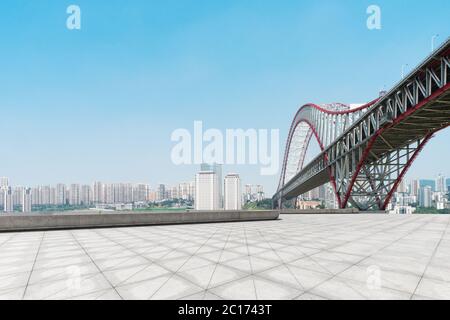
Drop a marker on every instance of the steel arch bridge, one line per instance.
(366, 151)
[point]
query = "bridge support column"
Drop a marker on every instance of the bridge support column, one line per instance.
(376, 181)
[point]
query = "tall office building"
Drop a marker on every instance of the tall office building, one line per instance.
(232, 192)
(414, 188)
(217, 169)
(429, 183)
(441, 184)
(8, 205)
(26, 200)
(206, 191)
(425, 197)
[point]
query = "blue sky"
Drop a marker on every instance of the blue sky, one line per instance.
(100, 103)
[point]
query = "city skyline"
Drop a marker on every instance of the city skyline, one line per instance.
(108, 96)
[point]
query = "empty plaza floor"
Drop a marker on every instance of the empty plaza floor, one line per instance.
(297, 257)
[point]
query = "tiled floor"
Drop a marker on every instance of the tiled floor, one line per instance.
(297, 257)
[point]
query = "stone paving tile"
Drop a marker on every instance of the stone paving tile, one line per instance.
(297, 257)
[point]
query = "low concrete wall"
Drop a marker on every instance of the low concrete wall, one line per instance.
(321, 211)
(329, 211)
(21, 222)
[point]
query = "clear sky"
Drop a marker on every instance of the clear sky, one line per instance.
(100, 103)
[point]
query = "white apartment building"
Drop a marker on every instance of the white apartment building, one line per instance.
(61, 194)
(4, 182)
(232, 192)
(86, 195)
(207, 191)
(74, 198)
(8, 199)
(26, 200)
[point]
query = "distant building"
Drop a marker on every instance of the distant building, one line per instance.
(428, 183)
(253, 193)
(4, 182)
(162, 193)
(26, 200)
(425, 197)
(330, 197)
(232, 192)
(206, 191)
(414, 188)
(441, 184)
(74, 195)
(401, 187)
(308, 204)
(98, 195)
(8, 199)
(86, 195)
(217, 169)
(402, 210)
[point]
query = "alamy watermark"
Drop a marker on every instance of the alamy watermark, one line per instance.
(373, 281)
(73, 21)
(235, 146)
(374, 19)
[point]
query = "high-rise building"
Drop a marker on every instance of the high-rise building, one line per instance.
(17, 196)
(414, 188)
(109, 193)
(217, 169)
(86, 195)
(192, 190)
(74, 195)
(4, 182)
(206, 191)
(140, 192)
(162, 193)
(98, 192)
(26, 200)
(232, 192)
(441, 184)
(45, 195)
(401, 188)
(8, 205)
(429, 183)
(61, 194)
(425, 197)
(35, 196)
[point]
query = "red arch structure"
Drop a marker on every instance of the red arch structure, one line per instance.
(367, 150)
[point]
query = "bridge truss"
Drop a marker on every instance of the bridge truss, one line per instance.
(367, 150)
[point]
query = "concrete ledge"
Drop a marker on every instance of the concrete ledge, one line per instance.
(18, 222)
(321, 211)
